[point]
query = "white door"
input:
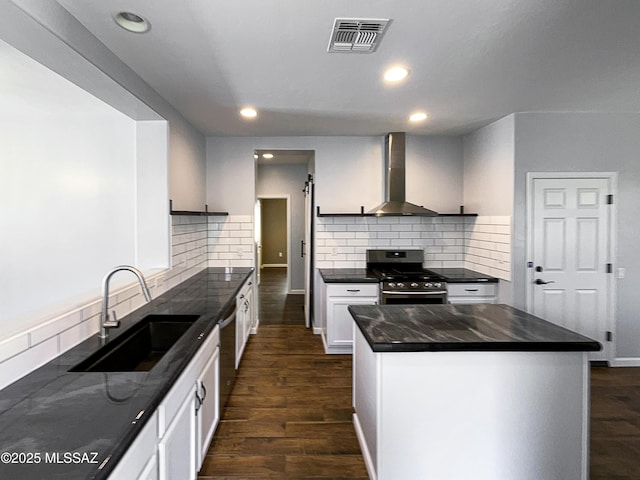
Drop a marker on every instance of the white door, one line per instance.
(571, 254)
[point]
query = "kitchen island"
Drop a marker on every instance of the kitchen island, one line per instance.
(469, 391)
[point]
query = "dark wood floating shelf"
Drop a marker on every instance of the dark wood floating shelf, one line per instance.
(195, 213)
(364, 214)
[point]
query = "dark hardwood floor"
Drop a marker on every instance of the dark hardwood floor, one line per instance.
(289, 414)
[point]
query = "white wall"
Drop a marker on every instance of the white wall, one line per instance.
(488, 183)
(348, 171)
(68, 185)
(341, 164)
(434, 172)
(283, 180)
(88, 178)
(488, 169)
(586, 142)
(53, 37)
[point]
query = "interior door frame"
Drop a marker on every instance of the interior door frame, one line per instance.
(612, 177)
(287, 198)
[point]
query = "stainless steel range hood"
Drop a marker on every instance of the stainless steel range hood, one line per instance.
(395, 172)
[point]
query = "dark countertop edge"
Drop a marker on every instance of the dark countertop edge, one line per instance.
(486, 347)
(346, 275)
(350, 275)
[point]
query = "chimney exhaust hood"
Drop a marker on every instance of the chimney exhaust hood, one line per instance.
(395, 173)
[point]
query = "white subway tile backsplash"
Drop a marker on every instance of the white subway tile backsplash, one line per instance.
(480, 243)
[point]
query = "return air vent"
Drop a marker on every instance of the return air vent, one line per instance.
(353, 35)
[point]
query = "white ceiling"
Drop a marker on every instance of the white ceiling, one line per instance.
(471, 61)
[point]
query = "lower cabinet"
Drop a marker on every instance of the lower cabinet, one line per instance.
(465, 293)
(207, 406)
(244, 318)
(176, 449)
(173, 443)
(141, 460)
(338, 324)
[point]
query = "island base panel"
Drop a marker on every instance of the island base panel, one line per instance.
(480, 415)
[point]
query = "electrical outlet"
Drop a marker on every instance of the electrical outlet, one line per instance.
(280, 254)
(622, 272)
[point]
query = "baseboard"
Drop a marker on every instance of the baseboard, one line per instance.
(317, 330)
(297, 291)
(626, 362)
(274, 265)
(368, 461)
(254, 328)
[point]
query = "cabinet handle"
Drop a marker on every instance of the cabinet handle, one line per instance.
(198, 402)
(354, 290)
(470, 289)
(204, 393)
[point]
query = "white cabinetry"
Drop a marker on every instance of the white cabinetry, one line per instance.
(462, 293)
(207, 405)
(338, 325)
(177, 446)
(244, 318)
(141, 460)
(189, 413)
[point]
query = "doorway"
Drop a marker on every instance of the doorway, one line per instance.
(285, 174)
(570, 245)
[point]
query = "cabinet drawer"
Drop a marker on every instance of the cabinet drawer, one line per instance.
(352, 290)
(472, 289)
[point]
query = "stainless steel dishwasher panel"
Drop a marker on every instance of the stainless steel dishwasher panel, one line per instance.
(227, 354)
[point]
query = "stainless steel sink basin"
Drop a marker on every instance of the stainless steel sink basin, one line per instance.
(141, 347)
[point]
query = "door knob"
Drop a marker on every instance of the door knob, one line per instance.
(539, 281)
(538, 268)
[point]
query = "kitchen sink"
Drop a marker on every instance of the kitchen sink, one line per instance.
(141, 347)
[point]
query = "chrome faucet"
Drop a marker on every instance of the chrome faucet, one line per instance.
(107, 323)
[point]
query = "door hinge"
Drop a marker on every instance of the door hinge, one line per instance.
(610, 199)
(609, 336)
(609, 268)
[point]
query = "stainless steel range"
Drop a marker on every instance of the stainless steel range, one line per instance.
(403, 280)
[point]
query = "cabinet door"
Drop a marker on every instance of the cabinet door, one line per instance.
(340, 321)
(176, 450)
(150, 471)
(208, 412)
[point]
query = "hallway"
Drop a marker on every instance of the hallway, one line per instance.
(289, 415)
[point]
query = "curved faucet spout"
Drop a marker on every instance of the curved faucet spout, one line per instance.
(106, 322)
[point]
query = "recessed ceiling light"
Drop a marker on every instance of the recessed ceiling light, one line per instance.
(255, 156)
(418, 117)
(132, 22)
(249, 112)
(396, 74)
(268, 156)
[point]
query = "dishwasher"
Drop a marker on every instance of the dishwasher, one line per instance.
(227, 354)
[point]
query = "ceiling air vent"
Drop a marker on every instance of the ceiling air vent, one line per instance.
(357, 35)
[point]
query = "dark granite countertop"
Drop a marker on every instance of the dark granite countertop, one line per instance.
(479, 327)
(347, 275)
(361, 275)
(53, 410)
(462, 275)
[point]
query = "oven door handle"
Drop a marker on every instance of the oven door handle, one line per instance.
(390, 292)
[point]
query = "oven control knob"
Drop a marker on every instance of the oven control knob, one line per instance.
(414, 285)
(428, 285)
(392, 284)
(400, 285)
(437, 285)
